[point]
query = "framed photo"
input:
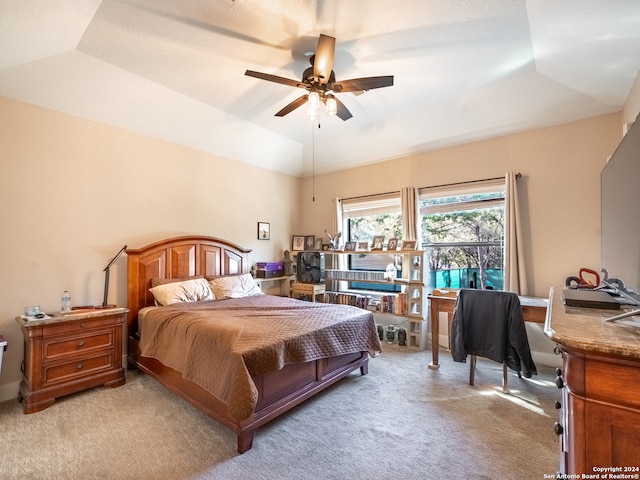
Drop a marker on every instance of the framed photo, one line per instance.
(409, 245)
(297, 243)
(309, 242)
(325, 246)
(318, 244)
(350, 247)
(363, 246)
(264, 231)
(393, 244)
(378, 242)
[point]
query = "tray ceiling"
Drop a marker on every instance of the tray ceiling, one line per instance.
(464, 71)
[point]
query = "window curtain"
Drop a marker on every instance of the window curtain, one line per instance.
(338, 227)
(515, 278)
(411, 230)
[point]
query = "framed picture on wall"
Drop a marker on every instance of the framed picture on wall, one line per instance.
(297, 243)
(318, 244)
(264, 231)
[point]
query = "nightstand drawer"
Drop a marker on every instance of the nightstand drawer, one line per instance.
(78, 326)
(65, 372)
(78, 344)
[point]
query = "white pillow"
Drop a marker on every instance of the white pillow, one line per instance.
(235, 286)
(186, 291)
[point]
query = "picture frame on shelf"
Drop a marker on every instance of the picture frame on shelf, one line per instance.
(309, 242)
(363, 246)
(350, 247)
(378, 243)
(297, 243)
(325, 246)
(317, 244)
(264, 231)
(409, 245)
(392, 245)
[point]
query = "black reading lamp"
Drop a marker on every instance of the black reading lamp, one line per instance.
(106, 279)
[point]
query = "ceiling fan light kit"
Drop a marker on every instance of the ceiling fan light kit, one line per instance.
(320, 81)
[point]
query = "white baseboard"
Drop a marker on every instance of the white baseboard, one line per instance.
(548, 359)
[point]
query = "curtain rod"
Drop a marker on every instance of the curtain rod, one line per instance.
(370, 196)
(518, 175)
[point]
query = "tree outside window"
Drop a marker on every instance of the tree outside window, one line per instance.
(464, 237)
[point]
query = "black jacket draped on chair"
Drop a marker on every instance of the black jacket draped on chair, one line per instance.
(490, 324)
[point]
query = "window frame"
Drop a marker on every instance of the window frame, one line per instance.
(368, 206)
(463, 189)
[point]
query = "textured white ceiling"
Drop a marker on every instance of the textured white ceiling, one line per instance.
(464, 70)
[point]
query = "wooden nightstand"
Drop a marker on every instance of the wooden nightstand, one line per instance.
(69, 353)
(307, 289)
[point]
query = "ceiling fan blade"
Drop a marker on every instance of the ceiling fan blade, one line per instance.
(275, 78)
(362, 84)
(323, 62)
(298, 102)
(343, 112)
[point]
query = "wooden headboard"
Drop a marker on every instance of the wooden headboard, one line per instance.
(178, 257)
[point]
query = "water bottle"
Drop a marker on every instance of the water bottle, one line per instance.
(66, 301)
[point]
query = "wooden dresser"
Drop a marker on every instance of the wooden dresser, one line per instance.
(69, 353)
(599, 404)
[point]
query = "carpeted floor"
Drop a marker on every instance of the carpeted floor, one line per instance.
(401, 421)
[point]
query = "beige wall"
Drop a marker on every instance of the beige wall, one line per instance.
(559, 189)
(73, 192)
(632, 105)
(559, 195)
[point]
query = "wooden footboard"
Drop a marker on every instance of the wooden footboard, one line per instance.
(278, 391)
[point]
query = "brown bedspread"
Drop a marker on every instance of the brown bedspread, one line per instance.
(221, 344)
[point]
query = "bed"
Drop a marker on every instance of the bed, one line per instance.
(273, 379)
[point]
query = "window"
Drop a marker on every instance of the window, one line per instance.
(463, 234)
(363, 219)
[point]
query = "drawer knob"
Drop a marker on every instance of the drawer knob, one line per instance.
(557, 350)
(557, 405)
(558, 371)
(80, 344)
(559, 382)
(558, 428)
(81, 324)
(79, 365)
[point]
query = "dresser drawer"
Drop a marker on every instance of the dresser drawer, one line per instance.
(78, 344)
(80, 325)
(613, 381)
(68, 371)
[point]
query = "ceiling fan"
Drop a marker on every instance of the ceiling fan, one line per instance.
(320, 82)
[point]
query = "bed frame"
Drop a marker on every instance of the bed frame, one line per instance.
(278, 391)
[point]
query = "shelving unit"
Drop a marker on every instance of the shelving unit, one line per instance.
(413, 284)
(417, 301)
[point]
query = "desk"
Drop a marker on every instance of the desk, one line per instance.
(534, 309)
(599, 407)
(278, 285)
